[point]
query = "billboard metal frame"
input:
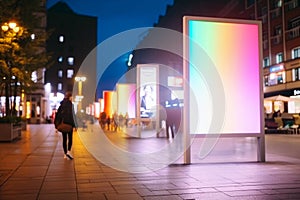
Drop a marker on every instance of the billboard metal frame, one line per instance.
(186, 115)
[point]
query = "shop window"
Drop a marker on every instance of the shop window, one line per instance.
(70, 73)
(279, 57)
(296, 53)
(60, 73)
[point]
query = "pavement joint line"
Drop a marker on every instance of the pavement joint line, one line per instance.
(52, 156)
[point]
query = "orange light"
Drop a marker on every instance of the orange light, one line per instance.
(28, 110)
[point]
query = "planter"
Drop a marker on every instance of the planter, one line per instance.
(9, 132)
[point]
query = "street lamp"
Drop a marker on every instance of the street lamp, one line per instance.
(11, 25)
(80, 79)
(11, 30)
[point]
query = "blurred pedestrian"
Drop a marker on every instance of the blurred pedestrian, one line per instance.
(65, 112)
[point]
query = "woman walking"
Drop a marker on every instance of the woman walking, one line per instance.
(66, 113)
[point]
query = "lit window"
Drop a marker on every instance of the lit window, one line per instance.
(61, 38)
(70, 73)
(34, 76)
(276, 78)
(279, 58)
(266, 62)
(59, 86)
(296, 53)
(60, 59)
(295, 74)
(60, 73)
(71, 60)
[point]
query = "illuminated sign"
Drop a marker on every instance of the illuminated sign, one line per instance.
(276, 68)
(224, 75)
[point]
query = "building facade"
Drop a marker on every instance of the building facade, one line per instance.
(281, 48)
(72, 38)
(280, 40)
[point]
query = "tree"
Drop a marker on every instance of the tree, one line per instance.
(22, 51)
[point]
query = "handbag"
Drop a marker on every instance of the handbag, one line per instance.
(62, 127)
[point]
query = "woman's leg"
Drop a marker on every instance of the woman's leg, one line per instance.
(64, 142)
(70, 140)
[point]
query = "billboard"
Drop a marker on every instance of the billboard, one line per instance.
(126, 99)
(147, 89)
(223, 66)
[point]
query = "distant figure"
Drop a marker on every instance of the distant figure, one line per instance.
(276, 114)
(126, 119)
(108, 123)
(102, 120)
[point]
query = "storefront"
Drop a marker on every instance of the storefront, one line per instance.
(292, 106)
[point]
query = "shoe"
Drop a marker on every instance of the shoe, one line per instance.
(65, 156)
(69, 155)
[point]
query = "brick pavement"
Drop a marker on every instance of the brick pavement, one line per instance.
(34, 168)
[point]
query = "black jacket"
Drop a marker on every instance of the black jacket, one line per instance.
(66, 113)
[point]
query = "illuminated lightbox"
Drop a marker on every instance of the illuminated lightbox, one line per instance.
(223, 68)
(126, 96)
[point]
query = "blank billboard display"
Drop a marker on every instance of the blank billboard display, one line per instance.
(223, 68)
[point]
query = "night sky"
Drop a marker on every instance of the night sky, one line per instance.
(116, 16)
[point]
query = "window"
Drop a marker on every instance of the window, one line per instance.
(59, 86)
(60, 73)
(279, 3)
(276, 78)
(32, 36)
(250, 3)
(71, 60)
(292, 4)
(264, 10)
(277, 30)
(295, 22)
(293, 28)
(296, 53)
(61, 38)
(60, 59)
(70, 73)
(296, 74)
(34, 76)
(266, 81)
(279, 57)
(266, 62)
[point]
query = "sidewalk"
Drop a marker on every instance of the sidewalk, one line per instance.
(34, 168)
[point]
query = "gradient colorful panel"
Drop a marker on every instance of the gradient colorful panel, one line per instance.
(234, 50)
(126, 99)
(108, 102)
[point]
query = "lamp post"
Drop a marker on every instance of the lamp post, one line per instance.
(80, 79)
(11, 30)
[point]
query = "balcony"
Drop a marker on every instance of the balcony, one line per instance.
(290, 5)
(275, 12)
(293, 33)
(276, 39)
